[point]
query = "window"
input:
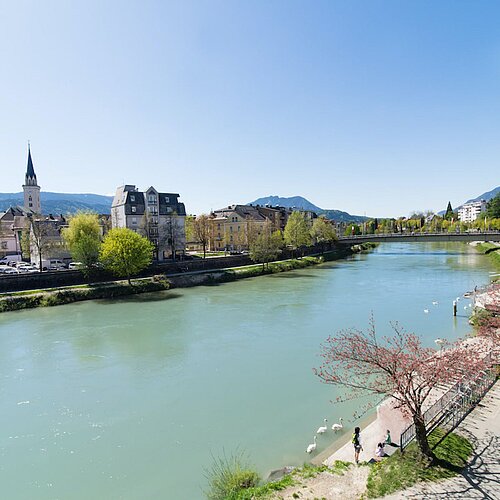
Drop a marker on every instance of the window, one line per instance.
(132, 197)
(167, 199)
(231, 229)
(151, 198)
(238, 229)
(31, 204)
(30, 199)
(134, 210)
(218, 226)
(134, 220)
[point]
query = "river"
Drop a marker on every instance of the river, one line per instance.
(129, 399)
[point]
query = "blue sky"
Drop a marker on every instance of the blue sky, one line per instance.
(376, 107)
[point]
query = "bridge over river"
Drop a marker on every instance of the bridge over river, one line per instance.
(416, 237)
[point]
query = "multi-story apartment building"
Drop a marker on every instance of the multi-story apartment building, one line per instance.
(234, 227)
(470, 211)
(158, 216)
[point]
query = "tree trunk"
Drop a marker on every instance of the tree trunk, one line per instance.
(421, 436)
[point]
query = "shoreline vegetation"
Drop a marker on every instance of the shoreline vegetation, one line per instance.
(48, 297)
(491, 250)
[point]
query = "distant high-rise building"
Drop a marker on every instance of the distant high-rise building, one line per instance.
(471, 211)
(31, 188)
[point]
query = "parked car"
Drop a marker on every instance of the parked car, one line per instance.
(12, 270)
(3, 268)
(51, 265)
(75, 265)
(10, 259)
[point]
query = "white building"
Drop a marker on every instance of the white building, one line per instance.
(470, 211)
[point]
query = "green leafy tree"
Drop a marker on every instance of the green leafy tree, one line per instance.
(125, 252)
(297, 231)
(83, 238)
(352, 230)
(322, 232)
(493, 207)
(266, 246)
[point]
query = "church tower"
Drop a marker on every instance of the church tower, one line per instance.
(31, 188)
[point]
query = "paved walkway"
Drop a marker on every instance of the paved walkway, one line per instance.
(481, 478)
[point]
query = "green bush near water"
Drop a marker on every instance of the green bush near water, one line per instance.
(403, 470)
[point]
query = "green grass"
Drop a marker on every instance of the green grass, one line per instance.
(267, 490)
(403, 470)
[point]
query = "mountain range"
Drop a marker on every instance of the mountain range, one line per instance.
(64, 203)
(61, 203)
(300, 202)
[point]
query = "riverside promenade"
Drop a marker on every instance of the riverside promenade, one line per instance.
(481, 477)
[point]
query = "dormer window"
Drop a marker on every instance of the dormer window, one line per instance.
(132, 197)
(167, 199)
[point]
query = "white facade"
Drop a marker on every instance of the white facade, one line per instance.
(470, 211)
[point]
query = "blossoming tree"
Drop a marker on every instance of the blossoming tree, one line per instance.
(398, 366)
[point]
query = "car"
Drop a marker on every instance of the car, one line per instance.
(11, 270)
(75, 265)
(3, 268)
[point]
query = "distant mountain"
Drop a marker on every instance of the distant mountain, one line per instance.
(292, 202)
(300, 202)
(486, 196)
(62, 203)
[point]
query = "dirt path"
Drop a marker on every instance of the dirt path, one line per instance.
(348, 486)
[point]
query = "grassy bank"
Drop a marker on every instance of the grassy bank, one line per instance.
(66, 295)
(403, 470)
(492, 250)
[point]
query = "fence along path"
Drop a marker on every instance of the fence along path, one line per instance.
(455, 404)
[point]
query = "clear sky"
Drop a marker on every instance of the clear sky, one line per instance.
(373, 107)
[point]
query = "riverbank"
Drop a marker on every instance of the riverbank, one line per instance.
(492, 250)
(48, 297)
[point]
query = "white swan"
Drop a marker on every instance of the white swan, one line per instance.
(426, 311)
(440, 341)
(435, 302)
(312, 446)
(323, 429)
(337, 427)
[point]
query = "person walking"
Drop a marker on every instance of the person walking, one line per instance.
(356, 441)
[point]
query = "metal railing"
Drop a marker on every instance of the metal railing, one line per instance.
(454, 404)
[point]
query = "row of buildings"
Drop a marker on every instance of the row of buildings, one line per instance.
(159, 216)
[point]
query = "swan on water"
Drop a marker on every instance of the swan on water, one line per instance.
(426, 311)
(337, 427)
(435, 302)
(312, 446)
(323, 429)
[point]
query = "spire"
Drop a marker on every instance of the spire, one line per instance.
(30, 171)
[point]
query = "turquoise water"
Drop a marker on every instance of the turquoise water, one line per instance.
(129, 399)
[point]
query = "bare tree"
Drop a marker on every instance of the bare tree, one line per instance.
(202, 230)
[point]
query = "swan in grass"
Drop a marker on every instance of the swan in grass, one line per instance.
(337, 427)
(323, 429)
(426, 311)
(312, 446)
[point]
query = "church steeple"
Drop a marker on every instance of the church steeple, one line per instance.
(31, 188)
(30, 171)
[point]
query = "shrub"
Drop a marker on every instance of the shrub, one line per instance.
(228, 476)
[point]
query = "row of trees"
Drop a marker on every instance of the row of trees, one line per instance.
(121, 251)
